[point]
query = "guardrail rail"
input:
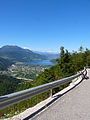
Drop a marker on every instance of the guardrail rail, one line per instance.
(16, 97)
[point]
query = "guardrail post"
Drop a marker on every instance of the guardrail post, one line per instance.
(51, 94)
(84, 74)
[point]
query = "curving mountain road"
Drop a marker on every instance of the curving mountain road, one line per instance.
(75, 105)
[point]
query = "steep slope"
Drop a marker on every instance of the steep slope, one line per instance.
(4, 64)
(16, 53)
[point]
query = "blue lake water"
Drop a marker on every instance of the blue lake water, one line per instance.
(41, 62)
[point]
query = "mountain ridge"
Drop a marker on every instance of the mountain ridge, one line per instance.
(15, 54)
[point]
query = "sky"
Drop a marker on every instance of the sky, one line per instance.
(45, 25)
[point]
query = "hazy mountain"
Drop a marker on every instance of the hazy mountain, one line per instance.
(49, 55)
(15, 53)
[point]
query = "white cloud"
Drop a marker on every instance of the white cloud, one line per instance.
(41, 50)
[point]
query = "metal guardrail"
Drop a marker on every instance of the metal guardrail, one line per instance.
(16, 97)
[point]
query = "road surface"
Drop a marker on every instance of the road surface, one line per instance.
(74, 105)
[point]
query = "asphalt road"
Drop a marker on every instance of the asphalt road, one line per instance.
(74, 105)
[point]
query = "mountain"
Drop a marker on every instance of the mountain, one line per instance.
(49, 55)
(4, 64)
(18, 54)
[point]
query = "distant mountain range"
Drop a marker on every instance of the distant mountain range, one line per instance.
(12, 54)
(49, 55)
(18, 54)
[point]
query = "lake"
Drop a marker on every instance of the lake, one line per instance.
(41, 62)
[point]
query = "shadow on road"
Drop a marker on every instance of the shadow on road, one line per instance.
(55, 98)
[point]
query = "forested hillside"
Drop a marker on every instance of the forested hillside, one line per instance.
(4, 63)
(67, 65)
(8, 84)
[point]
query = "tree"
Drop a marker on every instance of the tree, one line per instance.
(81, 49)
